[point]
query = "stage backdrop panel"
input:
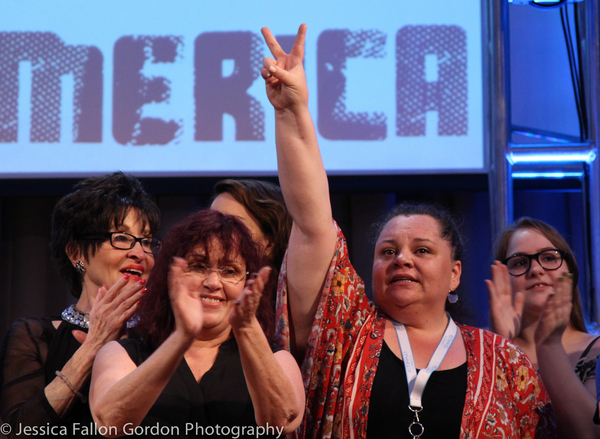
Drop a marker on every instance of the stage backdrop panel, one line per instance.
(173, 88)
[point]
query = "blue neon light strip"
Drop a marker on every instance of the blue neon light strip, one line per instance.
(556, 175)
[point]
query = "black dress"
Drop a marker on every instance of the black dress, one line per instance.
(443, 401)
(32, 351)
(217, 406)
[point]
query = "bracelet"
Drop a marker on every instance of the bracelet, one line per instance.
(73, 389)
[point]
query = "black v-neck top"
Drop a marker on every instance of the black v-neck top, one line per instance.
(221, 398)
(443, 401)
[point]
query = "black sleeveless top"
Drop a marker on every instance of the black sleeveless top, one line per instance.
(217, 406)
(443, 401)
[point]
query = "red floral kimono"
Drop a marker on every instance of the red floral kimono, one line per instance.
(505, 397)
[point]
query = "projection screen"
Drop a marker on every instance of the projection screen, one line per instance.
(173, 88)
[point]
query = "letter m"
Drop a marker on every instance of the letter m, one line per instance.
(50, 59)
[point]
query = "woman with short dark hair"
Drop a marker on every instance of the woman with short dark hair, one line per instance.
(104, 240)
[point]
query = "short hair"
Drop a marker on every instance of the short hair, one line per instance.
(265, 203)
(199, 229)
(448, 228)
(501, 248)
(96, 205)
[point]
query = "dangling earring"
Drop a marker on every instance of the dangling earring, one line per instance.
(79, 267)
(452, 297)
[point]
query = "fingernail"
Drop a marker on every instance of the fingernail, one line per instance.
(144, 290)
(142, 281)
(127, 276)
(272, 69)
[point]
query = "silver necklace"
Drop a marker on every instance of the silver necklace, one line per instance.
(82, 319)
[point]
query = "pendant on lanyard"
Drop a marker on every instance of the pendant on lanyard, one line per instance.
(417, 382)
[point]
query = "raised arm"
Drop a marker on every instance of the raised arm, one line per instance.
(574, 403)
(303, 182)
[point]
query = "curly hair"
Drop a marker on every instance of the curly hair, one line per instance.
(96, 205)
(198, 230)
(501, 253)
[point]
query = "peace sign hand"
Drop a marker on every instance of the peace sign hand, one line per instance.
(284, 75)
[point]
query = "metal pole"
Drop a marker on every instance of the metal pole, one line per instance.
(592, 47)
(499, 176)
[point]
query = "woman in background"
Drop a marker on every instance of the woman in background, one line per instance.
(104, 240)
(535, 302)
(260, 206)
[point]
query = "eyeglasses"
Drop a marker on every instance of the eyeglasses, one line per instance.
(551, 259)
(227, 273)
(126, 241)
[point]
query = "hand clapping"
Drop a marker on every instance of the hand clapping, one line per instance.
(247, 304)
(506, 312)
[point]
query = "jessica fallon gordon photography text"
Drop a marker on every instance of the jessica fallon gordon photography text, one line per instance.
(190, 428)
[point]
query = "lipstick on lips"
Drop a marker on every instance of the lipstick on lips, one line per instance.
(135, 270)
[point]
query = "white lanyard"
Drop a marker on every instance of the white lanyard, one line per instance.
(417, 382)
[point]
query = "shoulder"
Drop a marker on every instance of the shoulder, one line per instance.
(586, 355)
(589, 347)
(30, 327)
(132, 347)
(486, 343)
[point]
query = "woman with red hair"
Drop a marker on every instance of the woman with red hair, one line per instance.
(203, 358)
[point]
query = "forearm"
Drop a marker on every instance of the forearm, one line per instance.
(274, 397)
(301, 172)
(27, 399)
(312, 241)
(127, 399)
(76, 371)
(573, 404)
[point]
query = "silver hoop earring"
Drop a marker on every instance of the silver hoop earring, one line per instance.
(79, 267)
(452, 297)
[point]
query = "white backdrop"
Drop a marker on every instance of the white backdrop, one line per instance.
(172, 88)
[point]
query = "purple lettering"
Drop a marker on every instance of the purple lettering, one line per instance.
(132, 90)
(216, 94)
(50, 59)
(447, 95)
(334, 121)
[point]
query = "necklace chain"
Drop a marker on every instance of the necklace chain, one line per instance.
(82, 319)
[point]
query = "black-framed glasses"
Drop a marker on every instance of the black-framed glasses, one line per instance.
(551, 259)
(126, 241)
